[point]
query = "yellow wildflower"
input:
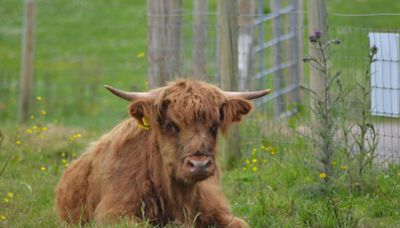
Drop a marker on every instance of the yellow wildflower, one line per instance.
(64, 161)
(28, 131)
(44, 128)
(344, 167)
(6, 200)
(43, 112)
(140, 55)
(247, 162)
(32, 117)
(39, 98)
(35, 128)
(10, 194)
(3, 218)
(334, 163)
(18, 142)
(254, 160)
(63, 154)
(273, 151)
(78, 136)
(43, 168)
(244, 168)
(254, 169)
(66, 165)
(322, 175)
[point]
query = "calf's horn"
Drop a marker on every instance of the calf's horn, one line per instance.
(247, 95)
(129, 96)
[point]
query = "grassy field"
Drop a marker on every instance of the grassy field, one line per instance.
(82, 45)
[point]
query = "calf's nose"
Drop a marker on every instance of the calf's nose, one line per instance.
(199, 166)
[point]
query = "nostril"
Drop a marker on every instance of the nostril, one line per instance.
(191, 164)
(208, 164)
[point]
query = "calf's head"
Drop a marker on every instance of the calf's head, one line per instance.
(185, 117)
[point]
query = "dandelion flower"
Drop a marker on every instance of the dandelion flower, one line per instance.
(247, 161)
(344, 167)
(28, 131)
(254, 169)
(43, 168)
(322, 175)
(254, 161)
(6, 200)
(140, 55)
(10, 194)
(273, 151)
(3, 218)
(43, 112)
(18, 142)
(44, 128)
(39, 98)
(64, 161)
(78, 136)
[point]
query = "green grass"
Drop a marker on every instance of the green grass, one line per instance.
(273, 186)
(81, 45)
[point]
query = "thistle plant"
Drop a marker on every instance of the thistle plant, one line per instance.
(360, 150)
(324, 106)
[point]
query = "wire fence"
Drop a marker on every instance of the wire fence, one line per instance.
(84, 46)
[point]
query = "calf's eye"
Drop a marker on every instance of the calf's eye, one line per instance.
(214, 129)
(172, 127)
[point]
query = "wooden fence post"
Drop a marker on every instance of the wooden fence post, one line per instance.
(246, 10)
(228, 71)
(298, 24)
(200, 31)
(279, 83)
(26, 77)
(164, 22)
(317, 21)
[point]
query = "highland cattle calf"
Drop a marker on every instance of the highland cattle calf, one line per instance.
(159, 165)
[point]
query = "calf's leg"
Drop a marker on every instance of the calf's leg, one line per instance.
(72, 191)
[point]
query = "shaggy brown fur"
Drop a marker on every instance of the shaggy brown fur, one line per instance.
(141, 174)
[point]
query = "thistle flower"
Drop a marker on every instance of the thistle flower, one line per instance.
(374, 49)
(314, 38)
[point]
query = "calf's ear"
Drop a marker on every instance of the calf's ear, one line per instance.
(233, 110)
(140, 110)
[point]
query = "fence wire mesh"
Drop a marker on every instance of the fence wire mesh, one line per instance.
(72, 64)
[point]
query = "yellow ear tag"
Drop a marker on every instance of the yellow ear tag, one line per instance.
(145, 124)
